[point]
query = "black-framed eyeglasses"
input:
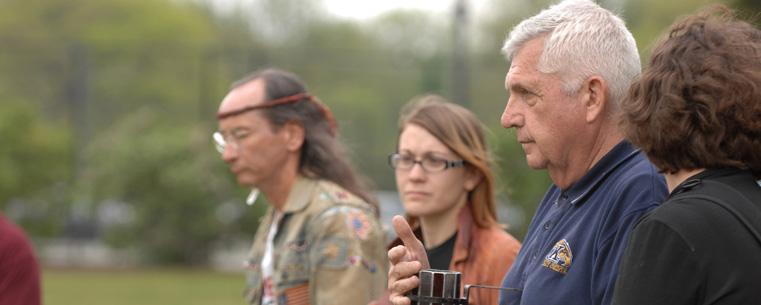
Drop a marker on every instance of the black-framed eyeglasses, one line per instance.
(429, 164)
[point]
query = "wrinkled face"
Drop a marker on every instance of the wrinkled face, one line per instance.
(429, 194)
(544, 117)
(261, 151)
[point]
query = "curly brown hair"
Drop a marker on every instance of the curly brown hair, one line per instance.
(698, 104)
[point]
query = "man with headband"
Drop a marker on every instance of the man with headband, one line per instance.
(321, 241)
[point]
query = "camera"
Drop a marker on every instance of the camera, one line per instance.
(443, 287)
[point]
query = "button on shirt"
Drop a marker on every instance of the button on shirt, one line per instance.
(574, 245)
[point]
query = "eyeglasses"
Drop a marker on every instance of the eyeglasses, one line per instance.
(430, 164)
(236, 135)
(233, 138)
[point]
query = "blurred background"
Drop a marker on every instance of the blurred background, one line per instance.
(107, 110)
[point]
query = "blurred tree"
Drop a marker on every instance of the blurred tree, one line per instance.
(34, 167)
(751, 8)
(172, 177)
(125, 76)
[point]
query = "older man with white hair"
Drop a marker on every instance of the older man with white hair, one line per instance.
(570, 66)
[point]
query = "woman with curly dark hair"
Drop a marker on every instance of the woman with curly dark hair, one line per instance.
(696, 113)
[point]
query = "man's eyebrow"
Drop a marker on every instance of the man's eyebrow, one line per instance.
(518, 87)
(235, 129)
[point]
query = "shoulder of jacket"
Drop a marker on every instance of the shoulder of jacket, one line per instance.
(499, 237)
(328, 194)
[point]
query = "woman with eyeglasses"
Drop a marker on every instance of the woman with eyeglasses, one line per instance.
(444, 178)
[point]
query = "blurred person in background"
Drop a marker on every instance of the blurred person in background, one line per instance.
(321, 241)
(444, 177)
(570, 66)
(19, 270)
(696, 113)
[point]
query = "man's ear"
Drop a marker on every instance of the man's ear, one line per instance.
(293, 132)
(595, 99)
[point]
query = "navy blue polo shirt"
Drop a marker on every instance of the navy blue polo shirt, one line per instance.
(575, 242)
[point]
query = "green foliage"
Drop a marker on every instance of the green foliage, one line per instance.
(168, 173)
(35, 166)
(518, 183)
(123, 74)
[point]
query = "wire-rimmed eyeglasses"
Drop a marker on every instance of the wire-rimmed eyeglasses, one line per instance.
(429, 164)
(233, 138)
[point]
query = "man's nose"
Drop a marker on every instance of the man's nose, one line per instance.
(510, 117)
(229, 153)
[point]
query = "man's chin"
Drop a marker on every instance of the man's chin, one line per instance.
(244, 181)
(536, 164)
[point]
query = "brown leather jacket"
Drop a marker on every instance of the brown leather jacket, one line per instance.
(481, 255)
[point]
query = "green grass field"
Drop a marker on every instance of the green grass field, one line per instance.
(142, 286)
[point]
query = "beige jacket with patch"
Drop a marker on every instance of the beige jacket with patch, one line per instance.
(329, 249)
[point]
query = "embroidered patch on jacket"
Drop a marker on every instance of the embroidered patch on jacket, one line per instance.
(342, 196)
(359, 224)
(295, 246)
(292, 271)
(298, 295)
(560, 257)
(332, 251)
(358, 261)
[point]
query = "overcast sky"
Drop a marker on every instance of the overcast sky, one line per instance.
(360, 9)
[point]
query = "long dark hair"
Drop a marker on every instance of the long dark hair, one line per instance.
(322, 155)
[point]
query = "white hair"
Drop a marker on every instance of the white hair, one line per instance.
(582, 40)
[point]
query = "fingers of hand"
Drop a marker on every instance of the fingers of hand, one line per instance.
(397, 254)
(403, 230)
(398, 288)
(413, 246)
(403, 270)
(401, 301)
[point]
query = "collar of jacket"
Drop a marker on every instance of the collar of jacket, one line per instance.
(301, 192)
(465, 227)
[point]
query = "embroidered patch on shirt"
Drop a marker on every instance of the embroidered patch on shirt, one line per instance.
(298, 295)
(560, 257)
(359, 224)
(358, 261)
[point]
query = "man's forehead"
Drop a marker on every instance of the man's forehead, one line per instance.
(517, 76)
(529, 54)
(249, 94)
